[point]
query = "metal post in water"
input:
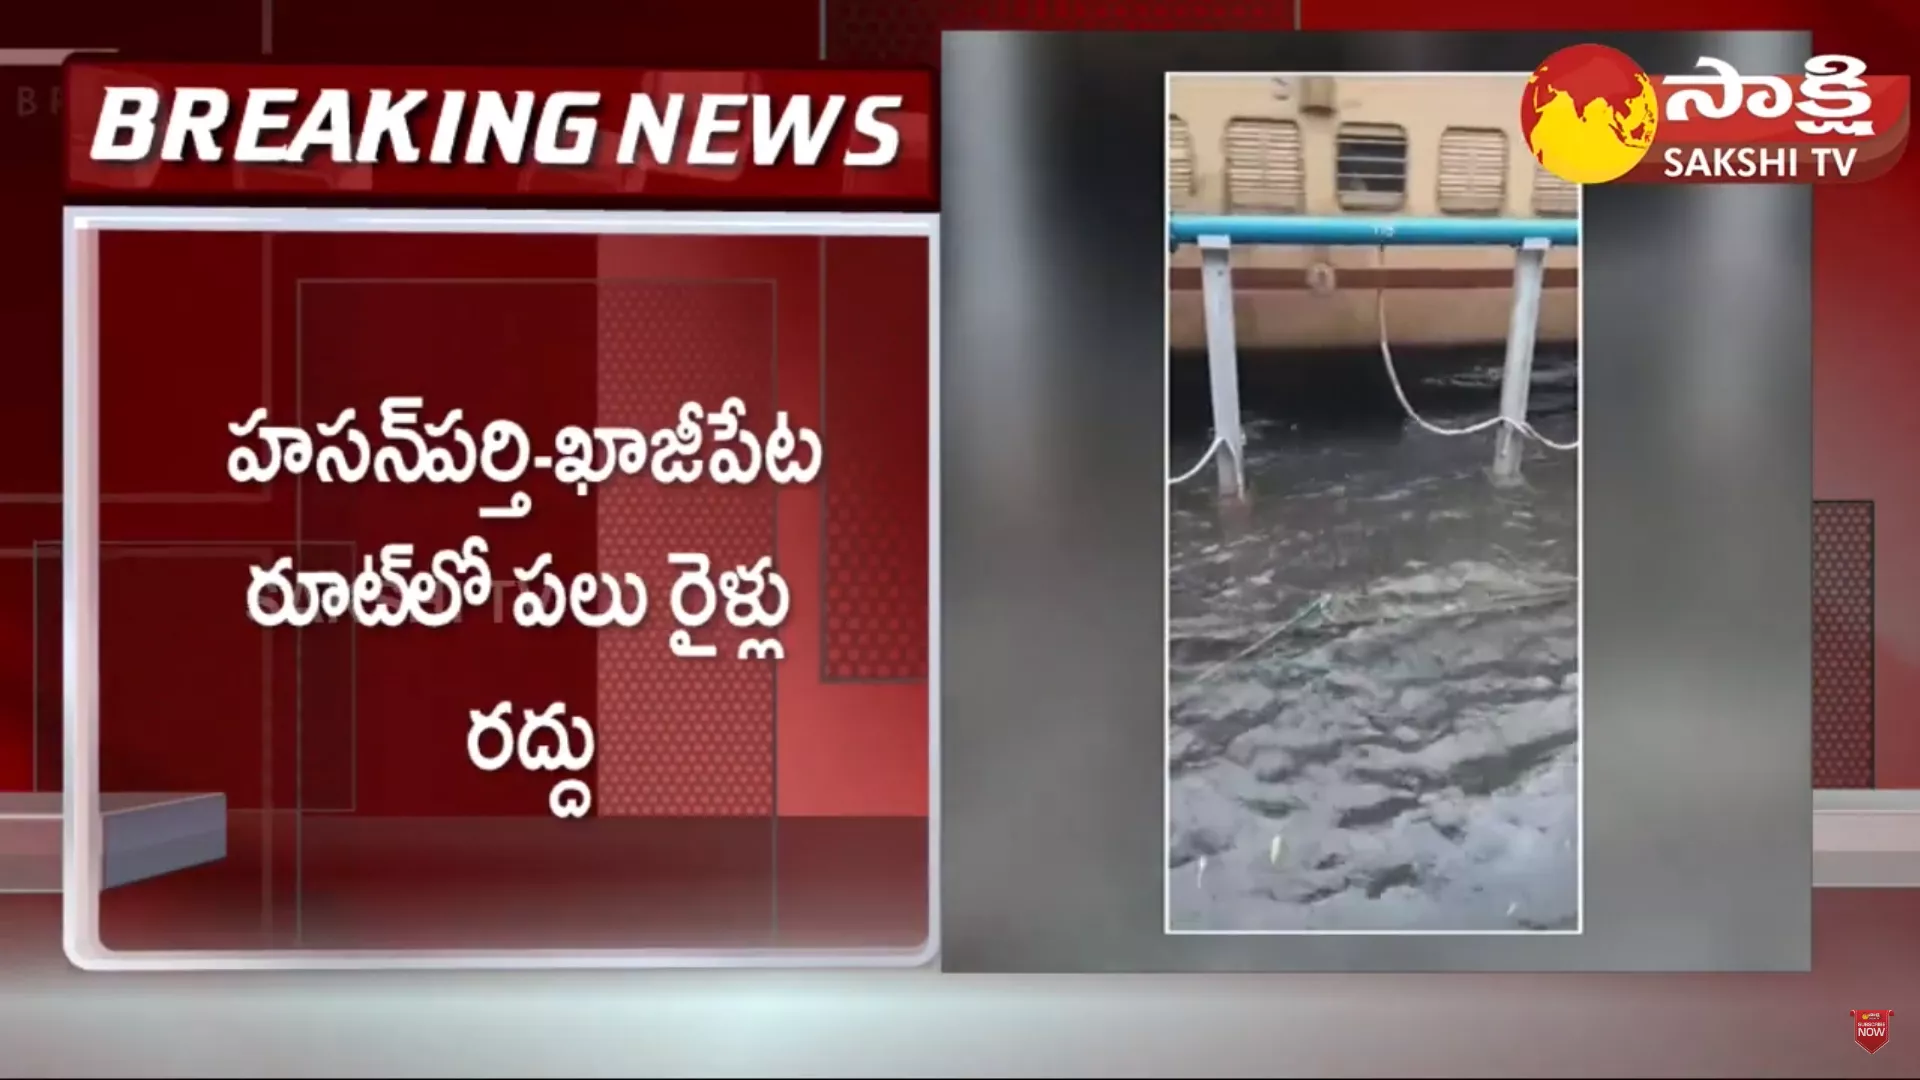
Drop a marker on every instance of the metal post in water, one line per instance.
(1529, 273)
(1223, 362)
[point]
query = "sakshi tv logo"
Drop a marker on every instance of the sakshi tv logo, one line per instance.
(1592, 115)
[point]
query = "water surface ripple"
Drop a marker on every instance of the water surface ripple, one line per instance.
(1403, 756)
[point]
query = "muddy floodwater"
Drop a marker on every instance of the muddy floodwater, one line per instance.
(1374, 674)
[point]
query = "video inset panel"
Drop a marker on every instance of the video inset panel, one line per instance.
(1374, 511)
(627, 661)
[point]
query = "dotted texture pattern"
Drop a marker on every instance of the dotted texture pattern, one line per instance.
(1843, 714)
(683, 737)
(875, 483)
(891, 32)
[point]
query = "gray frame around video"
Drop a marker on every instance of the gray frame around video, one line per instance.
(1697, 447)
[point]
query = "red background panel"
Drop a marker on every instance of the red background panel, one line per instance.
(875, 563)
(194, 326)
(31, 191)
(18, 670)
(690, 737)
(368, 724)
(499, 327)
(750, 33)
(886, 32)
(843, 749)
(1843, 563)
(548, 331)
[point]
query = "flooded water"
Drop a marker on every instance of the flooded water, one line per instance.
(1375, 683)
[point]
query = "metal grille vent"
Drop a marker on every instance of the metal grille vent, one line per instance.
(1473, 171)
(1372, 169)
(1554, 197)
(1264, 167)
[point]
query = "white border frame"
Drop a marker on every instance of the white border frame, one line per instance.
(1166, 601)
(80, 670)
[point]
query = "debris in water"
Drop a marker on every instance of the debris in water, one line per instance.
(1513, 907)
(1273, 850)
(1200, 874)
(1317, 606)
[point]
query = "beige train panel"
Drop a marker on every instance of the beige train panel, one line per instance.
(1346, 257)
(1422, 108)
(1297, 319)
(1250, 144)
(1482, 321)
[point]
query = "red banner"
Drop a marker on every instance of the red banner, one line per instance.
(1870, 1028)
(521, 134)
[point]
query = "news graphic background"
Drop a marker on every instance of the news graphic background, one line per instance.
(736, 803)
(1865, 262)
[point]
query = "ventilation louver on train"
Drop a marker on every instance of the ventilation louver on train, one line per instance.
(1552, 196)
(1473, 171)
(1180, 184)
(1264, 169)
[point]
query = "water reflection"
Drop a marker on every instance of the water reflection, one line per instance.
(1374, 680)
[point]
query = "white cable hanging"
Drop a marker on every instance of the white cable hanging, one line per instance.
(1204, 458)
(1393, 376)
(1525, 428)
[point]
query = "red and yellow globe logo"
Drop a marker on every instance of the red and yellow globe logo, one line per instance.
(1589, 114)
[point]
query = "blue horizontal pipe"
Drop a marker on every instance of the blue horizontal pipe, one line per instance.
(1374, 231)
